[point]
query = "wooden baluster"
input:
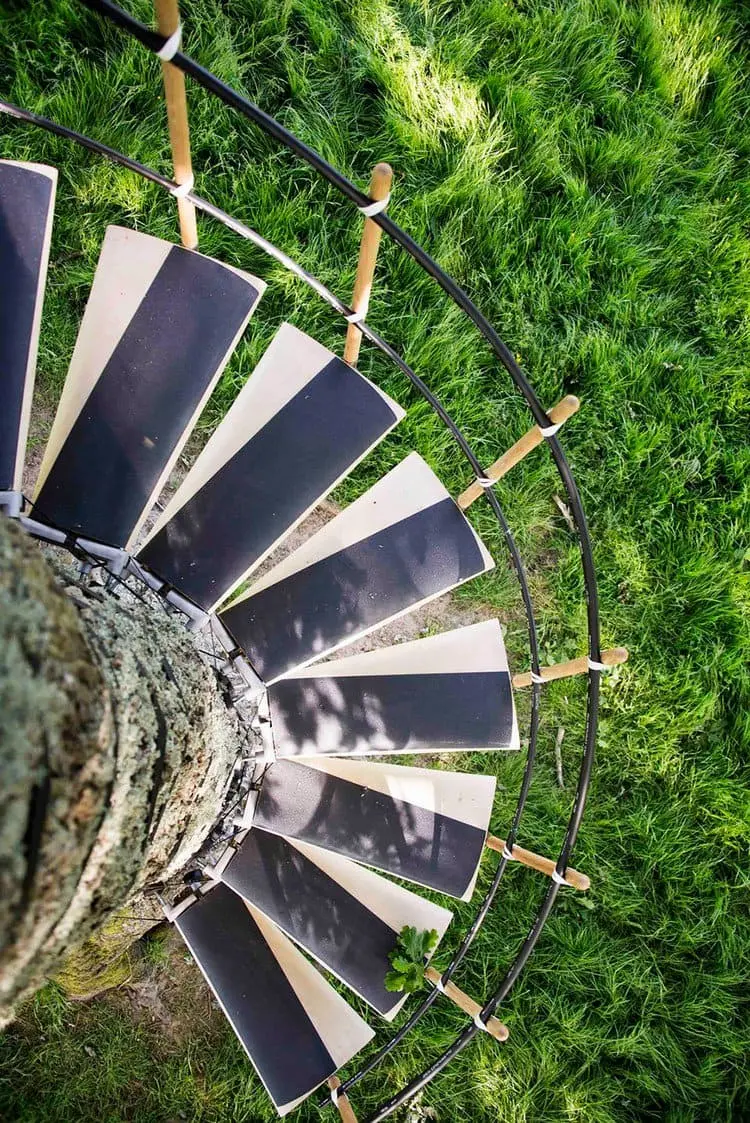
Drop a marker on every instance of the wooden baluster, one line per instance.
(380, 186)
(168, 20)
(557, 415)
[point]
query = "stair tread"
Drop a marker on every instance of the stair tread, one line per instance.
(293, 1025)
(401, 544)
(445, 693)
(27, 199)
(345, 916)
(300, 424)
(159, 327)
(424, 825)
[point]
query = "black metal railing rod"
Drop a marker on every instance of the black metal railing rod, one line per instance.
(468, 1034)
(532, 938)
(154, 42)
(432, 994)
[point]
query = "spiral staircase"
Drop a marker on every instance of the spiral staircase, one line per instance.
(333, 815)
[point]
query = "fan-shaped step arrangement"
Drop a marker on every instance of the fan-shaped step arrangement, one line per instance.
(295, 1028)
(345, 916)
(159, 327)
(420, 824)
(401, 544)
(442, 694)
(27, 199)
(300, 424)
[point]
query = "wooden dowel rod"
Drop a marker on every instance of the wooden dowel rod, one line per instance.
(557, 415)
(168, 20)
(342, 1103)
(380, 185)
(494, 1026)
(611, 658)
(536, 862)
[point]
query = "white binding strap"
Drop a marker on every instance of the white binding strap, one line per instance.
(355, 317)
(376, 206)
(335, 1093)
(485, 481)
(550, 430)
(558, 878)
(538, 679)
(508, 854)
(171, 45)
(595, 666)
(180, 190)
(479, 1023)
(440, 985)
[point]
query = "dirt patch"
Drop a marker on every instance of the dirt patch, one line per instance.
(170, 995)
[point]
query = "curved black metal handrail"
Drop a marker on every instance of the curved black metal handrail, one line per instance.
(154, 42)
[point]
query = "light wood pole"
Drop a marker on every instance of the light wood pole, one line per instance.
(536, 862)
(342, 1102)
(168, 20)
(493, 1025)
(380, 186)
(613, 657)
(557, 415)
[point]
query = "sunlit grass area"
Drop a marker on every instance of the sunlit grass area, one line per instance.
(581, 168)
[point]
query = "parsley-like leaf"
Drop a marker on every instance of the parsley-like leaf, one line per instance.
(407, 959)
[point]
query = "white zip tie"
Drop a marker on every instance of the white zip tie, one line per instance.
(171, 45)
(595, 666)
(440, 985)
(558, 878)
(479, 1023)
(355, 317)
(538, 679)
(550, 430)
(180, 190)
(506, 853)
(376, 206)
(485, 481)
(335, 1093)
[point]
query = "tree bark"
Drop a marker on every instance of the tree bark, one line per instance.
(116, 752)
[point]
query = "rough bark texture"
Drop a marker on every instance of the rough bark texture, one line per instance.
(116, 749)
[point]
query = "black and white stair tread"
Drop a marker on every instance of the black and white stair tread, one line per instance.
(401, 544)
(446, 693)
(27, 200)
(345, 916)
(300, 424)
(420, 824)
(160, 325)
(295, 1028)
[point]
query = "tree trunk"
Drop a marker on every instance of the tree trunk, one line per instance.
(116, 751)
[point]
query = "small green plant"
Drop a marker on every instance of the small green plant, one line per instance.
(408, 959)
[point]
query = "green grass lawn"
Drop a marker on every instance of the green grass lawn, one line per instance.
(581, 168)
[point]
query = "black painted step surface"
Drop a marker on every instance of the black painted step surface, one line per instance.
(367, 812)
(318, 418)
(346, 917)
(159, 327)
(289, 1019)
(442, 694)
(401, 544)
(27, 199)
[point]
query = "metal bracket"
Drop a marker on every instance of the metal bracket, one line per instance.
(12, 503)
